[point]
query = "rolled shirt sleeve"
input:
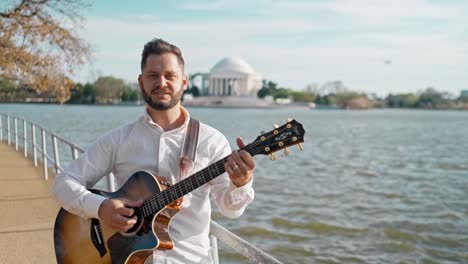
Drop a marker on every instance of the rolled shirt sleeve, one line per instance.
(230, 199)
(70, 186)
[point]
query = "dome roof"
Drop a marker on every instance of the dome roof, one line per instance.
(232, 64)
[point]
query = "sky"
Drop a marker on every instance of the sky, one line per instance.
(372, 46)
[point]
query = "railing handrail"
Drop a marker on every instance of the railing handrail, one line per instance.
(216, 230)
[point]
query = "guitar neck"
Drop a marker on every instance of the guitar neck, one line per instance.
(158, 201)
(196, 180)
(281, 137)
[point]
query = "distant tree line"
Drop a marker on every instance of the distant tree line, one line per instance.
(428, 99)
(334, 93)
(112, 90)
(105, 90)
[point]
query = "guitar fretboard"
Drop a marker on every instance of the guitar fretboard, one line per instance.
(158, 201)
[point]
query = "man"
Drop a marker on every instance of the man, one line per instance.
(154, 143)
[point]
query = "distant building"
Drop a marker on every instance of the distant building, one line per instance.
(464, 93)
(233, 77)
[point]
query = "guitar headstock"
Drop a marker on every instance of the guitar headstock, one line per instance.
(281, 137)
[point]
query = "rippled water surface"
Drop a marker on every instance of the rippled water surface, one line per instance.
(381, 186)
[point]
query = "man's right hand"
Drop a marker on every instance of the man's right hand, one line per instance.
(117, 213)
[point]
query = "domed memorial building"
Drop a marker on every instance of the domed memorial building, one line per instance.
(232, 82)
(233, 77)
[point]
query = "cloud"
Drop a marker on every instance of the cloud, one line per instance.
(379, 9)
(292, 51)
(199, 5)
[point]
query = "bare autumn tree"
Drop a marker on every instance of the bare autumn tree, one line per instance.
(39, 44)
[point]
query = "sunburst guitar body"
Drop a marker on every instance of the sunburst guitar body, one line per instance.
(79, 240)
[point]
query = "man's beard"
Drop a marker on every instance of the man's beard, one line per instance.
(161, 106)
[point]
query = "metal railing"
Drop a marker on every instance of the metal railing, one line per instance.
(20, 137)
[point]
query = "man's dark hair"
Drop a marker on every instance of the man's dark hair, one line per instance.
(159, 47)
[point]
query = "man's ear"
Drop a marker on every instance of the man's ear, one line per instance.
(185, 82)
(140, 81)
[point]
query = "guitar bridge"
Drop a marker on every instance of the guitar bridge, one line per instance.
(96, 237)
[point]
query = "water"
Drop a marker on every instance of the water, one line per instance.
(380, 186)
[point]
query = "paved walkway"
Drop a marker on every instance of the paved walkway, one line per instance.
(27, 210)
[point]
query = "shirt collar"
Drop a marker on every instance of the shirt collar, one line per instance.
(149, 121)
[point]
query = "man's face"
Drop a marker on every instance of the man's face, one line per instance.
(162, 81)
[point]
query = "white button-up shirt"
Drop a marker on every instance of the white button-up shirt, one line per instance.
(144, 145)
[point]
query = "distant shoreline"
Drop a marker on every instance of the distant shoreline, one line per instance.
(270, 107)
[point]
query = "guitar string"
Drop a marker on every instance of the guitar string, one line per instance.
(165, 197)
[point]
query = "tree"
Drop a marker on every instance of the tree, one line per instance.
(263, 92)
(408, 100)
(83, 94)
(343, 98)
(109, 89)
(6, 86)
(304, 96)
(281, 93)
(194, 90)
(268, 88)
(129, 94)
(323, 100)
(39, 44)
(431, 98)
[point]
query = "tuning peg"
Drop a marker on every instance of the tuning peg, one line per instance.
(300, 146)
(286, 152)
(262, 132)
(275, 126)
(272, 156)
(289, 120)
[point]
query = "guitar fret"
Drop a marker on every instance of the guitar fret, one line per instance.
(183, 189)
(151, 207)
(174, 193)
(164, 197)
(196, 178)
(199, 181)
(216, 168)
(160, 201)
(191, 185)
(211, 171)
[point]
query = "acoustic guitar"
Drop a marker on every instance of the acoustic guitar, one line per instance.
(79, 240)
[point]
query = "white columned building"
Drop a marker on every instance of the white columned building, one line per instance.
(233, 77)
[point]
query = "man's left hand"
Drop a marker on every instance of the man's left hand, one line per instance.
(240, 165)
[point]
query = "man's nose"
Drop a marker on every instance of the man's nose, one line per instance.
(160, 82)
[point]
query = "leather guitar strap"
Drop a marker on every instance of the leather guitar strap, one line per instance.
(189, 149)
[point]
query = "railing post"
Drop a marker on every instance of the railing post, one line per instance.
(33, 132)
(110, 182)
(25, 139)
(74, 152)
(8, 130)
(214, 249)
(16, 133)
(240, 245)
(56, 154)
(44, 154)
